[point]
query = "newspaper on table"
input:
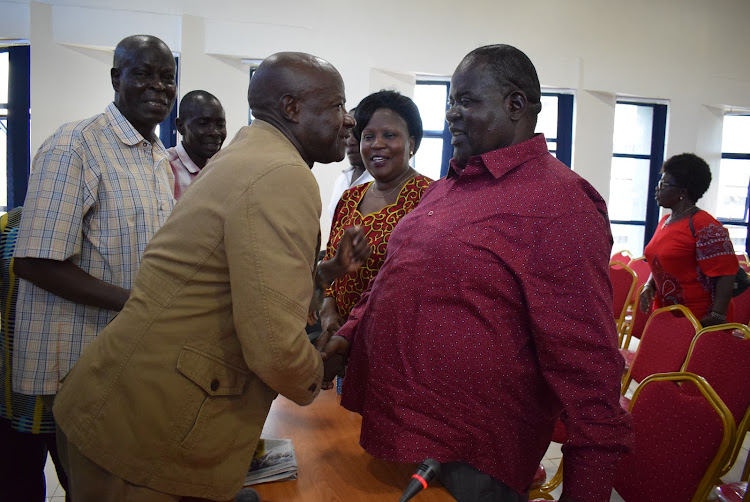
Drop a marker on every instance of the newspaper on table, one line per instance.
(274, 460)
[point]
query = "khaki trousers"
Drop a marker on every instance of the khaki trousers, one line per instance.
(91, 483)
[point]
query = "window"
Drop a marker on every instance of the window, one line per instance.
(435, 152)
(555, 121)
(638, 154)
(734, 178)
(431, 97)
(166, 130)
(253, 67)
(14, 124)
(4, 67)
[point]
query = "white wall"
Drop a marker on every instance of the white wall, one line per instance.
(692, 53)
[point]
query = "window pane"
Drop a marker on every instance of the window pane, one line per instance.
(431, 101)
(628, 189)
(429, 157)
(546, 122)
(736, 135)
(3, 160)
(552, 146)
(734, 175)
(628, 237)
(633, 124)
(738, 235)
(3, 77)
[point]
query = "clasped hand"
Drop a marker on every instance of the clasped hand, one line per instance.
(334, 359)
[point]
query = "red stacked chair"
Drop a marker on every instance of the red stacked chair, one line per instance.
(681, 441)
(664, 344)
(623, 287)
(721, 355)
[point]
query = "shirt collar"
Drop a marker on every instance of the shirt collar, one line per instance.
(185, 158)
(499, 162)
(125, 131)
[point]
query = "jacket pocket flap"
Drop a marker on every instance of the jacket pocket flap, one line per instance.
(216, 377)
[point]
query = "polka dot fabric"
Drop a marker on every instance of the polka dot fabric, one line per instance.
(490, 316)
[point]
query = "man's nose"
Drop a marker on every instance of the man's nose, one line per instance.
(451, 113)
(156, 82)
(349, 121)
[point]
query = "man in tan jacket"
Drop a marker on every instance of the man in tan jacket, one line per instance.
(170, 399)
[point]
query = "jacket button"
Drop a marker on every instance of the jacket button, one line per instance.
(214, 384)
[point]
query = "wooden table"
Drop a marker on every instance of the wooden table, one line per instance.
(332, 465)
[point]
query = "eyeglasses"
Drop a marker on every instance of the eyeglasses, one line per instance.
(662, 184)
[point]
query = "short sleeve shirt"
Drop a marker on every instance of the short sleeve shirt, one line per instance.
(98, 192)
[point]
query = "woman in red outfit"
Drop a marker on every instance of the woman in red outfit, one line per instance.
(389, 129)
(691, 257)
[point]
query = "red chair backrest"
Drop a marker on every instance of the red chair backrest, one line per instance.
(722, 357)
(680, 442)
(623, 284)
(623, 257)
(665, 342)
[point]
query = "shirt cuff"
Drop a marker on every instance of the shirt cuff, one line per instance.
(589, 476)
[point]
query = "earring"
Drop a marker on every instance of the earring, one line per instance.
(411, 153)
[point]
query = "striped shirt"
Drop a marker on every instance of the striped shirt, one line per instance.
(98, 192)
(25, 413)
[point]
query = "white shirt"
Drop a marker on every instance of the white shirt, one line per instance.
(344, 182)
(183, 167)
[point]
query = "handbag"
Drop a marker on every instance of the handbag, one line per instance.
(741, 280)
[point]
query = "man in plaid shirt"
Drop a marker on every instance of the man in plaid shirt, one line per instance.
(99, 190)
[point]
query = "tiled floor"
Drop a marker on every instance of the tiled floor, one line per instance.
(551, 461)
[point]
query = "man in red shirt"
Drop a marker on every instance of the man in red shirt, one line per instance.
(492, 314)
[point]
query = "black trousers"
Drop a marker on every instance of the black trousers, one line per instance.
(22, 459)
(468, 484)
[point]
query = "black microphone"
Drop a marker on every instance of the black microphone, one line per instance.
(428, 470)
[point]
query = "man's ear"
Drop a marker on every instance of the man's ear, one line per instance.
(516, 103)
(290, 108)
(180, 126)
(114, 74)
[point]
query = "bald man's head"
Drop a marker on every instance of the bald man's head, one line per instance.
(287, 73)
(303, 96)
(143, 77)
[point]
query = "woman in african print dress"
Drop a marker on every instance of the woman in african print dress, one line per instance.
(389, 129)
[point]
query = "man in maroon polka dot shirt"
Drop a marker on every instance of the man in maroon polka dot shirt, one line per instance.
(492, 314)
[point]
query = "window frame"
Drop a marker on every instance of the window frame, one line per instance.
(445, 134)
(18, 159)
(656, 161)
(736, 221)
(168, 127)
(563, 140)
